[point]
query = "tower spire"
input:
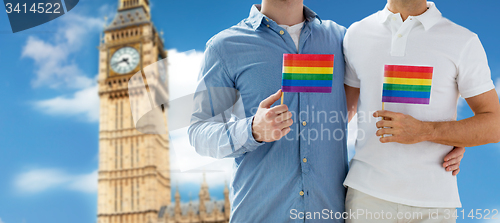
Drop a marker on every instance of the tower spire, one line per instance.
(129, 4)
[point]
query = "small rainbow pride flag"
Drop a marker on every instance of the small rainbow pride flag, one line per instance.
(307, 73)
(407, 84)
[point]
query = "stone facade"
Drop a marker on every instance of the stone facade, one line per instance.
(134, 168)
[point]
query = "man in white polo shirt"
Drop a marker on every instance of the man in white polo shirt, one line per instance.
(396, 172)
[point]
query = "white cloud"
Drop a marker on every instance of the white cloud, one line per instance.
(84, 103)
(55, 69)
(39, 180)
(217, 173)
(1, 221)
(183, 70)
(84, 183)
(188, 166)
(53, 66)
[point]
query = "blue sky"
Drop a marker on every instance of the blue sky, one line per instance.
(49, 129)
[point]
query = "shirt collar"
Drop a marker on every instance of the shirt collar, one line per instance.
(428, 19)
(256, 17)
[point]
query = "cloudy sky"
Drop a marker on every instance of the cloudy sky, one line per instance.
(49, 129)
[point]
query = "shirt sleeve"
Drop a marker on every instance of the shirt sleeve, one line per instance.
(216, 130)
(350, 78)
(474, 75)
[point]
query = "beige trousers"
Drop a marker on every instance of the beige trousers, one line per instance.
(363, 208)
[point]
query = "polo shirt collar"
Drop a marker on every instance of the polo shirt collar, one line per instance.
(383, 15)
(428, 19)
(256, 17)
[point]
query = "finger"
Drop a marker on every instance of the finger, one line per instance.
(266, 103)
(278, 134)
(388, 139)
(455, 172)
(385, 114)
(452, 161)
(285, 116)
(382, 132)
(285, 131)
(279, 109)
(285, 124)
(453, 167)
(385, 123)
(456, 152)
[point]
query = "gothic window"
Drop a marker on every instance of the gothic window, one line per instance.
(116, 156)
(121, 114)
(121, 197)
(138, 197)
(121, 156)
(116, 198)
(131, 153)
(132, 194)
(116, 116)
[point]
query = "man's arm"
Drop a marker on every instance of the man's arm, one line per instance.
(352, 96)
(482, 128)
(451, 161)
(215, 129)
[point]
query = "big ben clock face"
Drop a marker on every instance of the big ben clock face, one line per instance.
(125, 60)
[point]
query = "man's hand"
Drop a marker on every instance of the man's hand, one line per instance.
(271, 124)
(453, 159)
(404, 128)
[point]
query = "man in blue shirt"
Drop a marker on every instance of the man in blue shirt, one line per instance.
(291, 159)
(274, 181)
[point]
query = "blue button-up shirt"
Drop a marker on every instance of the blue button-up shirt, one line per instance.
(292, 178)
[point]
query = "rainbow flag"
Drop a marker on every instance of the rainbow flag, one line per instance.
(407, 84)
(307, 73)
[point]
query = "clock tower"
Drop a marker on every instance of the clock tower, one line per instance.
(134, 168)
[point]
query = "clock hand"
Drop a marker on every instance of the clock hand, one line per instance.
(123, 60)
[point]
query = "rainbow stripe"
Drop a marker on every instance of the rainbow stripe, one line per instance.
(307, 73)
(407, 84)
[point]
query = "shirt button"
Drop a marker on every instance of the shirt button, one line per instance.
(267, 19)
(304, 123)
(399, 35)
(267, 25)
(394, 18)
(301, 193)
(282, 32)
(304, 160)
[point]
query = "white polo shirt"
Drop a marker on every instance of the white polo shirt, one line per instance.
(410, 174)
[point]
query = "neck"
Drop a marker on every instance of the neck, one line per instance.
(284, 12)
(407, 7)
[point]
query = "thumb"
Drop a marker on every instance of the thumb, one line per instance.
(266, 103)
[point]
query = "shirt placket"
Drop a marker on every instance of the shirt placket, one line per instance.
(303, 104)
(400, 32)
(304, 123)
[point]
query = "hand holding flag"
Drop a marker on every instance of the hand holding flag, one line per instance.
(409, 85)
